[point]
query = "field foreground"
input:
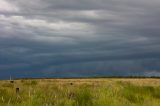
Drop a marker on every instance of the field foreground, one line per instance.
(80, 92)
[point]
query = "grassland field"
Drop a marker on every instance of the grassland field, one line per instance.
(80, 92)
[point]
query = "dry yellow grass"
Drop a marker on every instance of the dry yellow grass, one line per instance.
(81, 92)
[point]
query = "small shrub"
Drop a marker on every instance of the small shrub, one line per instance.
(156, 93)
(9, 85)
(29, 82)
(134, 93)
(34, 82)
(134, 98)
(83, 98)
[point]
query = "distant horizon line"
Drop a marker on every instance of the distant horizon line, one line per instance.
(89, 77)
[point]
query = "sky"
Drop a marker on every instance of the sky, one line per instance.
(79, 38)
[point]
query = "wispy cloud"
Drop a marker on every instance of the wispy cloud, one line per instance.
(7, 6)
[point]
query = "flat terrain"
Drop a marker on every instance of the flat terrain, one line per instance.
(81, 92)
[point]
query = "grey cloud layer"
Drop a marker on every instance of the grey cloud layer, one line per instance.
(79, 37)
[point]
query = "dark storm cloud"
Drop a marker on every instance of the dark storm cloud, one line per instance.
(79, 38)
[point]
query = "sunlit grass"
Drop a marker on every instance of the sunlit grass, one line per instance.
(80, 92)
